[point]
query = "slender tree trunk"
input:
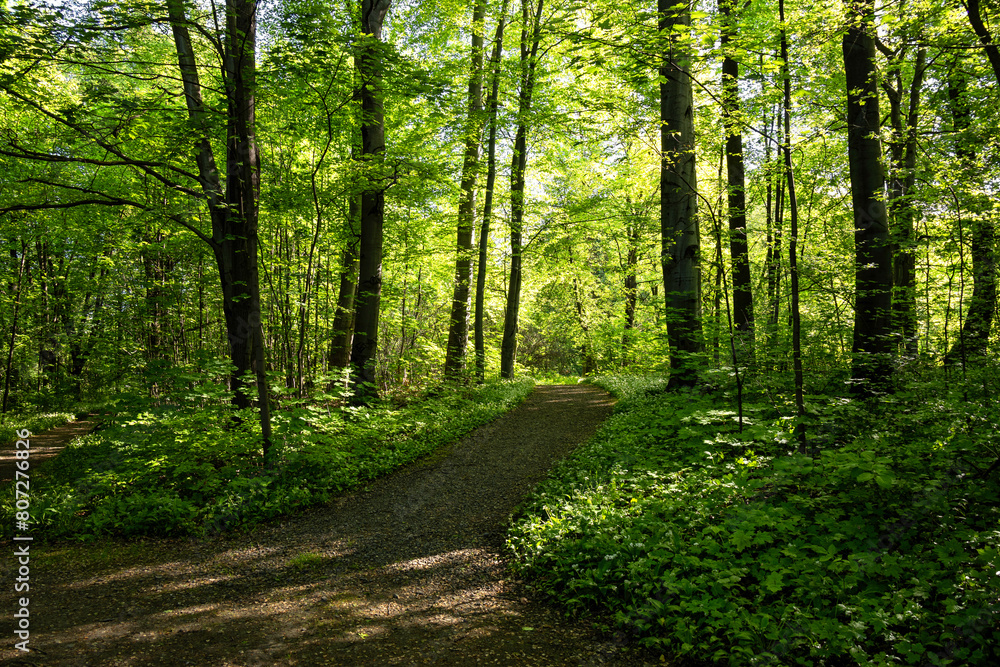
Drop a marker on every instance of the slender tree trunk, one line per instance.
(631, 290)
(743, 314)
(16, 292)
(308, 288)
(903, 155)
(974, 336)
(586, 348)
(458, 331)
(873, 252)
(678, 197)
(793, 211)
(369, 292)
(343, 320)
(491, 175)
(157, 266)
(529, 52)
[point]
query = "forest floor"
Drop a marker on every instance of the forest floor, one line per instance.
(411, 570)
(45, 445)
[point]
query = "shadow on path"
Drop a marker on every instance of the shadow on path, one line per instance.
(45, 446)
(410, 571)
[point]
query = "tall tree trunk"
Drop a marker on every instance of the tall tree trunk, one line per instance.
(369, 292)
(873, 252)
(233, 210)
(458, 331)
(743, 316)
(680, 235)
(903, 157)
(529, 52)
(307, 291)
(793, 240)
(586, 348)
(343, 319)
(491, 175)
(631, 289)
(974, 336)
(157, 266)
(16, 293)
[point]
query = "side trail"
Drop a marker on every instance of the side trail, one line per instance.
(409, 571)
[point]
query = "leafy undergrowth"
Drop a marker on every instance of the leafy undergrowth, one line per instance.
(33, 423)
(878, 548)
(175, 471)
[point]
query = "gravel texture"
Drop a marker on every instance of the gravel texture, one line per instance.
(409, 571)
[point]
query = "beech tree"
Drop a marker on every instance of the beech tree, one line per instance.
(133, 130)
(679, 231)
(458, 331)
(873, 252)
(369, 290)
(743, 314)
(231, 202)
(491, 176)
(531, 31)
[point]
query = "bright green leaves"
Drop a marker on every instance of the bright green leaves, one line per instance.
(705, 545)
(177, 471)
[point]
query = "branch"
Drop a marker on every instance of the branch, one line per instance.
(147, 167)
(105, 200)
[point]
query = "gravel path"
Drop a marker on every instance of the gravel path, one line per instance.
(45, 445)
(410, 571)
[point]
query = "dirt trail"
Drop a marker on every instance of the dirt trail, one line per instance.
(410, 571)
(45, 445)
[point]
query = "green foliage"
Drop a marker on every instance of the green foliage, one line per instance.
(712, 544)
(175, 470)
(33, 423)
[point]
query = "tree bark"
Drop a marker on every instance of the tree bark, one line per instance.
(529, 52)
(369, 293)
(491, 175)
(16, 293)
(458, 331)
(974, 12)
(743, 315)
(974, 336)
(234, 210)
(873, 253)
(680, 236)
(903, 159)
(343, 319)
(631, 267)
(793, 240)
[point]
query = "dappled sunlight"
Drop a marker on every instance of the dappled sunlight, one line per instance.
(415, 563)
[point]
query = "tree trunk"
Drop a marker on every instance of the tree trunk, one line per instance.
(974, 336)
(793, 239)
(743, 316)
(343, 320)
(233, 212)
(903, 156)
(678, 197)
(458, 331)
(973, 11)
(508, 348)
(491, 175)
(16, 293)
(369, 292)
(873, 252)
(631, 289)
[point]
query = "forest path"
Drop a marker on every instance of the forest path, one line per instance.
(410, 571)
(45, 445)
